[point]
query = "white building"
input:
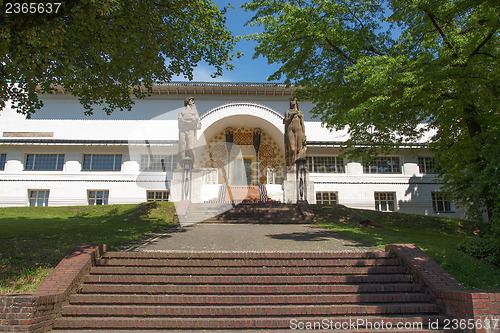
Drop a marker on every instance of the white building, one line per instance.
(62, 157)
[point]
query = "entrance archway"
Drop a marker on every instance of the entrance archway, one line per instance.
(238, 163)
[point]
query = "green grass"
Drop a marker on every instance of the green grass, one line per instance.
(34, 239)
(438, 237)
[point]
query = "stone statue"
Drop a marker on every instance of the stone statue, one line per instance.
(189, 123)
(256, 139)
(295, 134)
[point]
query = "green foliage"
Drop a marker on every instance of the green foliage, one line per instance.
(399, 72)
(34, 239)
(486, 248)
(103, 50)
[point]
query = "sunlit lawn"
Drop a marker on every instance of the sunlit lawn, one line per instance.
(34, 239)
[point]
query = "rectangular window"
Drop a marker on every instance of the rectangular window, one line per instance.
(158, 162)
(3, 160)
(325, 164)
(210, 175)
(385, 201)
(44, 162)
(426, 164)
(157, 195)
(98, 197)
(389, 164)
(440, 204)
(102, 162)
(39, 198)
(326, 198)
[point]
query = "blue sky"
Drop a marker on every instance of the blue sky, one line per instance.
(246, 69)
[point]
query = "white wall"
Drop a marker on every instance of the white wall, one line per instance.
(129, 185)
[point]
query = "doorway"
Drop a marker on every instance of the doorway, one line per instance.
(243, 171)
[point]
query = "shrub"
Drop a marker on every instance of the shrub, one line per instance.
(484, 248)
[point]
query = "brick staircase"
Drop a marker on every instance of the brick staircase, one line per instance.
(246, 291)
(262, 213)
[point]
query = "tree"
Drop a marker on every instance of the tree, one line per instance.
(103, 50)
(393, 71)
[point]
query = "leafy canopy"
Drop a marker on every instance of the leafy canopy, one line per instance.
(395, 71)
(102, 50)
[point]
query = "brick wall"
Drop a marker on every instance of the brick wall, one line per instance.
(35, 312)
(453, 299)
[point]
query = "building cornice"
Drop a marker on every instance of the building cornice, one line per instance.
(216, 88)
(100, 142)
(338, 144)
(97, 142)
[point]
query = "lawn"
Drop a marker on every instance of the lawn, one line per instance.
(438, 237)
(34, 239)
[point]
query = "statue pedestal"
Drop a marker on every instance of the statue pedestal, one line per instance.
(290, 187)
(196, 186)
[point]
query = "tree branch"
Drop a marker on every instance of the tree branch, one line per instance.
(370, 47)
(432, 17)
(485, 40)
(339, 51)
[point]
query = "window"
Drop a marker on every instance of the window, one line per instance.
(439, 203)
(210, 175)
(3, 160)
(98, 197)
(274, 176)
(39, 198)
(158, 162)
(243, 171)
(103, 162)
(426, 164)
(325, 164)
(157, 195)
(326, 198)
(388, 164)
(44, 162)
(385, 201)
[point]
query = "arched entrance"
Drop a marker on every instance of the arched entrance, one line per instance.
(242, 145)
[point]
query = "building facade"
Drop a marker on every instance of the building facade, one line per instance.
(61, 157)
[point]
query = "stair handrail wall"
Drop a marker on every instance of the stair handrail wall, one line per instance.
(453, 299)
(36, 312)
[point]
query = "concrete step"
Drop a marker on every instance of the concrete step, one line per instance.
(229, 299)
(210, 291)
(249, 255)
(274, 331)
(239, 271)
(246, 311)
(199, 323)
(159, 262)
(248, 279)
(244, 213)
(246, 289)
(252, 221)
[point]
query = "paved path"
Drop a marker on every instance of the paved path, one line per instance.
(249, 237)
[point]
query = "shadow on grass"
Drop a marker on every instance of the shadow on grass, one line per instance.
(33, 240)
(438, 237)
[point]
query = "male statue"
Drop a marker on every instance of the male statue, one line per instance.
(295, 134)
(189, 123)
